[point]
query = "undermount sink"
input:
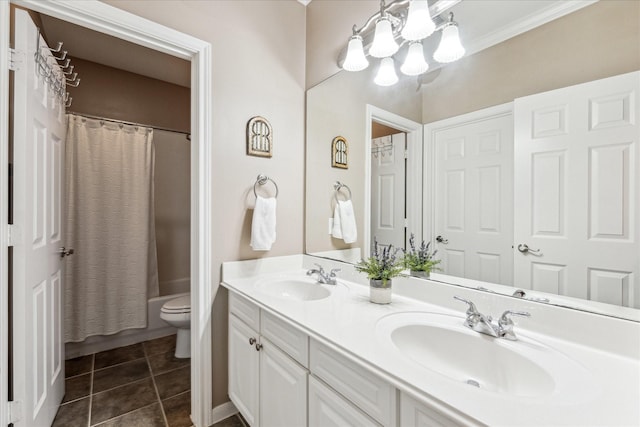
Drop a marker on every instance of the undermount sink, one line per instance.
(442, 344)
(293, 288)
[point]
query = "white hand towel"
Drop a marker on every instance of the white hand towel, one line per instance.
(263, 225)
(336, 230)
(348, 221)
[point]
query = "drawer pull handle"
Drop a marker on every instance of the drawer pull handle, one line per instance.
(252, 341)
(258, 347)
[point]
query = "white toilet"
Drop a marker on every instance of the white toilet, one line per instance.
(177, 313)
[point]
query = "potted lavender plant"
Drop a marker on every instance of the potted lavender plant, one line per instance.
(380, 267)
(420, 261)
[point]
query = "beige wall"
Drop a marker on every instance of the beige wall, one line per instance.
(258, 60)
(329, 24)
(172, 210)
(117, 94)
(112, 93)
(335, 107)
(598, 41)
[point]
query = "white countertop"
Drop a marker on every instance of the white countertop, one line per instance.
(604, 390)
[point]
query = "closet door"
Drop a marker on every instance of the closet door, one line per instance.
(388, 190)
(39, 136)
(577, 191)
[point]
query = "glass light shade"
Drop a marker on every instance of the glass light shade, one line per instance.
(355, 60)
(383, 42)
(450, 48)
(419, 24)
(414, 64)
(386, 73)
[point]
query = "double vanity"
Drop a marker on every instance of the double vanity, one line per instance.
(303, 353)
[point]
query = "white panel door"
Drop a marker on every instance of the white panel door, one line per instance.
(283, 388)
(388, 190)
(474, 198)
(243, 369)
(39, 136)
(577, 191)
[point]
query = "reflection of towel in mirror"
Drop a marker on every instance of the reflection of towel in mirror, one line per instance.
(336, 230)
(263, 225)
(344, 222)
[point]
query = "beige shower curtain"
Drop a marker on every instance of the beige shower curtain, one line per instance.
(110, 225)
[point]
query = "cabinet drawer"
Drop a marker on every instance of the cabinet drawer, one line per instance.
(289, 339)
(245, 310)
(374, 396)
(328, 409)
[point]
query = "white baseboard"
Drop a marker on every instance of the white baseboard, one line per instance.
(222, 412)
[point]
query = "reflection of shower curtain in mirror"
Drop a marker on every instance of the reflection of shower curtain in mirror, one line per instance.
(110, 225)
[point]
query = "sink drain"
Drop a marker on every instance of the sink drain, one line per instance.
(473, 383)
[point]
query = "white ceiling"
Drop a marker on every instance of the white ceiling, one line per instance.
(97, 47)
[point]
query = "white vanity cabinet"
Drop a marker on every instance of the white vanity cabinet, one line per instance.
(279, 377)
(267, 385)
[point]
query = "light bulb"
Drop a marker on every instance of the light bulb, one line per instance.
(384, 43)
(355, 60)
(450, 48)
(386, 73)
(419, 24)
(414, 63)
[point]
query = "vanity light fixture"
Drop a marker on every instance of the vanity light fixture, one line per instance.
(419, 24)
(386, 73)
(396, 24)
(384, 43)
(414, 64)
(356, 59)
(450, 48)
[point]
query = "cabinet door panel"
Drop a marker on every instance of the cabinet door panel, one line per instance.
(416, 414)
(283, 389)
(328, 409)
(243, 369)
(375, 396)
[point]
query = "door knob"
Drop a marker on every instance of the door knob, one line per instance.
(65, 252)
(524, 248)
(442, 240)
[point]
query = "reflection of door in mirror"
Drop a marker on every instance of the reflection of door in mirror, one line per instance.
(474, 196)
(577, 192)
(569, 223)
(388, 185)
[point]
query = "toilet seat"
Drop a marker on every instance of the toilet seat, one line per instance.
(178, 305)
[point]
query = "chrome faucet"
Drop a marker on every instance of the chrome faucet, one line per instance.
(485, 325)
(323, 277)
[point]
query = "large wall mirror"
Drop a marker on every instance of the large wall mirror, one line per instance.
(397, 129)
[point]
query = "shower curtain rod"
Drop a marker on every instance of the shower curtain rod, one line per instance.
(107, 119)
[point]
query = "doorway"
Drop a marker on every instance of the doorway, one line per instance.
(412, 217)
(126, 26)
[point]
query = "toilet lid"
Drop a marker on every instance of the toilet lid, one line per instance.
(178, 304)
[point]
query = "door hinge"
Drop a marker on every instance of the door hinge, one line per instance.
(11, 231)
(15, 411)
(13, 64)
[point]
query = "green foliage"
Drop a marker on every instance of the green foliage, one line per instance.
(381, 265)
(420, 259)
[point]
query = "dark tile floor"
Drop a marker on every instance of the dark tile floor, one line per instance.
(141, 385)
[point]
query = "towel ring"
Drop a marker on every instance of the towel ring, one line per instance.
(337, 187)
(262, 180)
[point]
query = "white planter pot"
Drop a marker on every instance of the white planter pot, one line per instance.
(378, 293)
